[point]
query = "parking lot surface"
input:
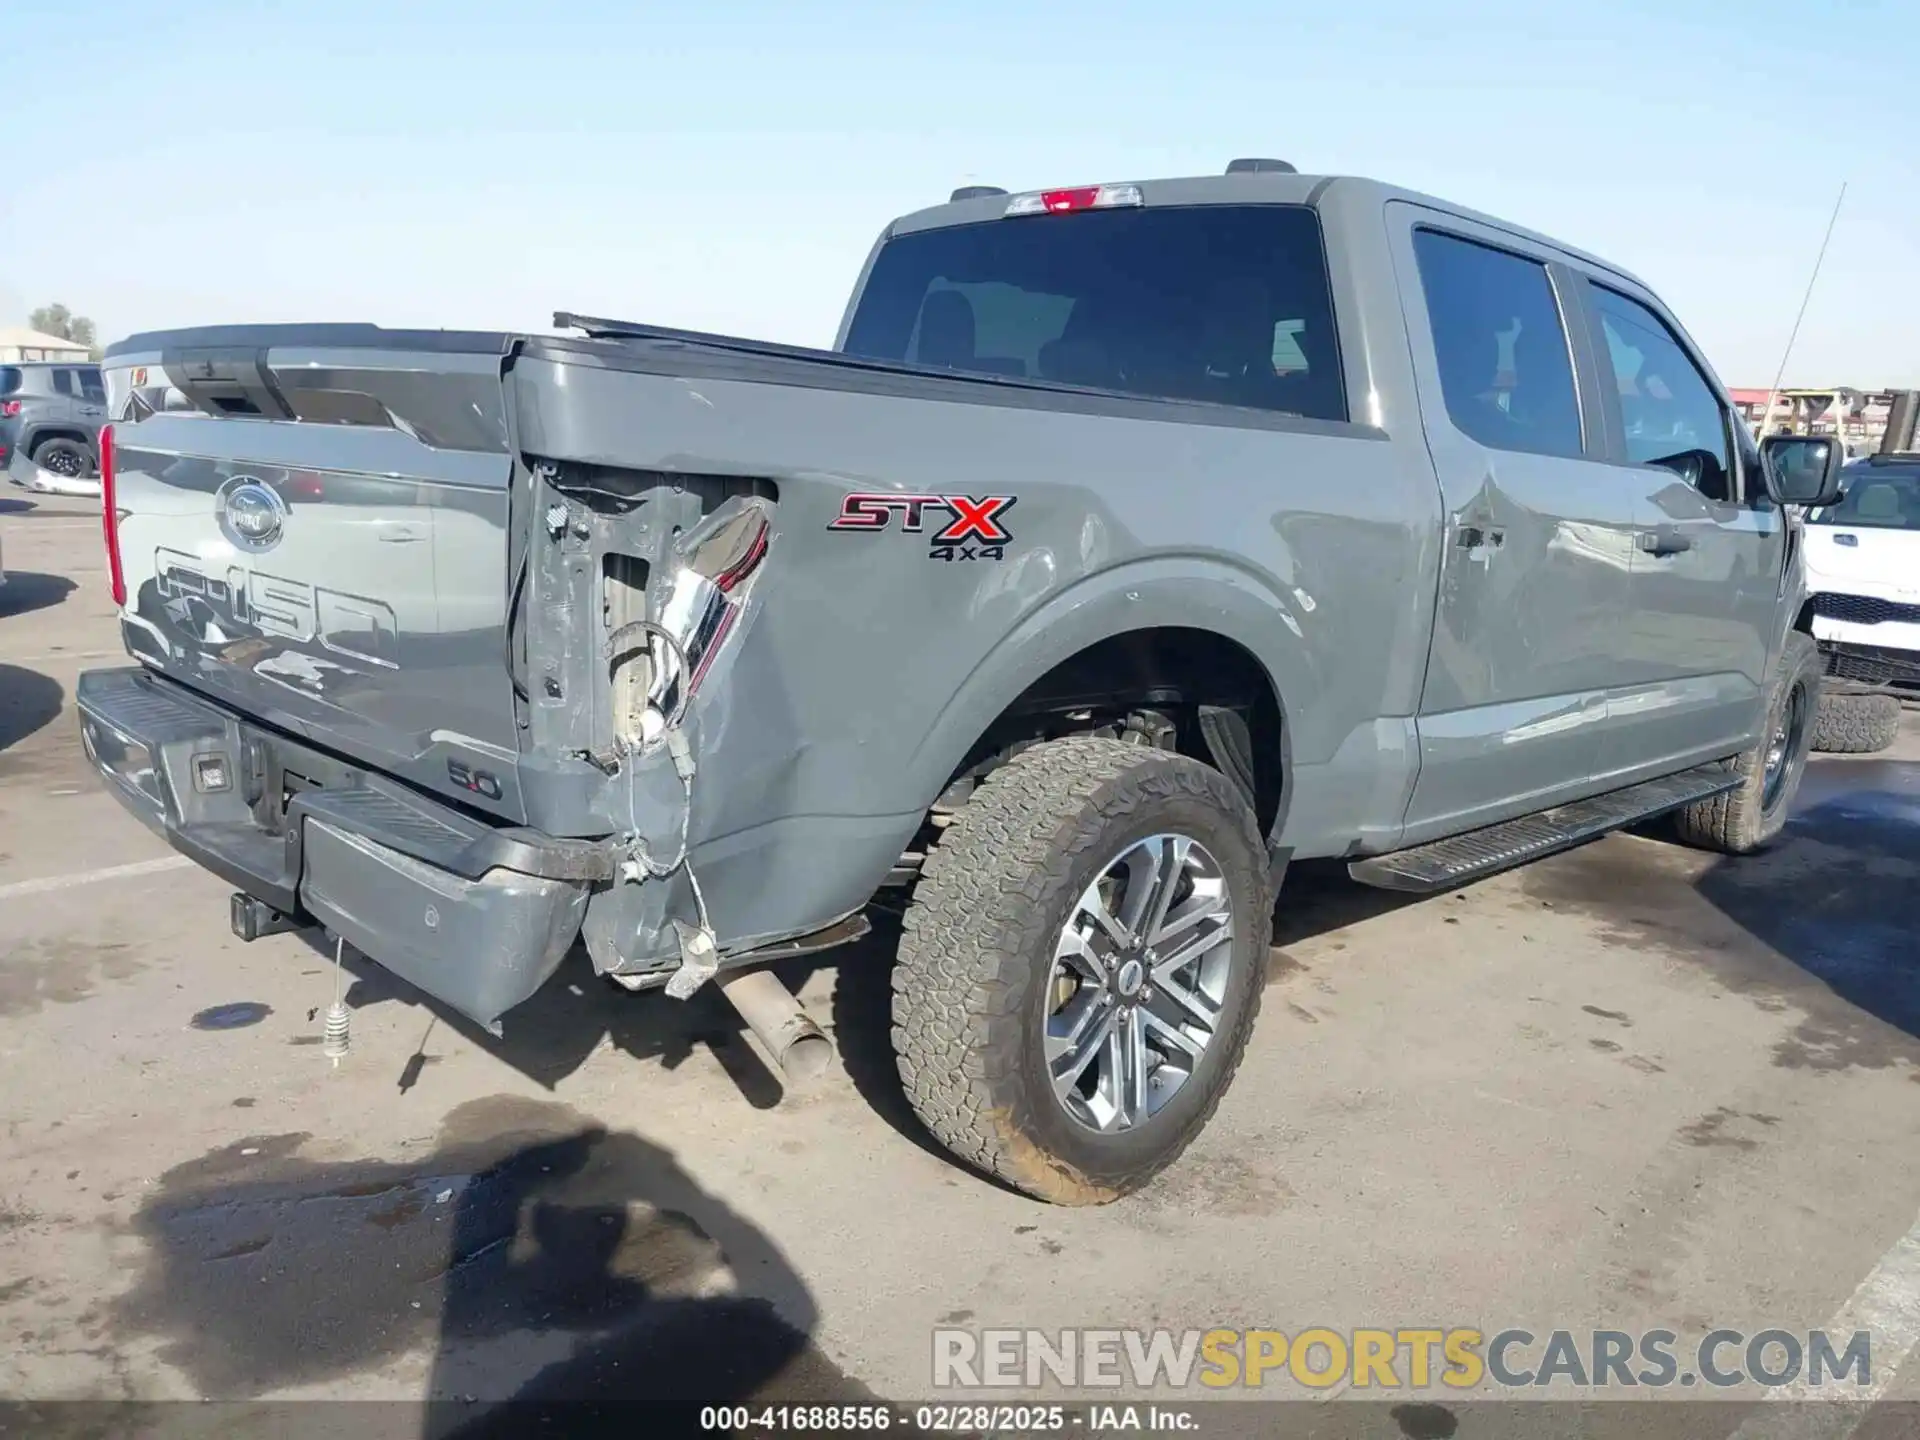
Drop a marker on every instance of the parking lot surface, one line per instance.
(1632, 1087)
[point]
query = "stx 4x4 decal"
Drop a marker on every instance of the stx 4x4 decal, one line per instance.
(974, 532)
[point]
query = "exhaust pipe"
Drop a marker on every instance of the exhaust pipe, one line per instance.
(797, 1045)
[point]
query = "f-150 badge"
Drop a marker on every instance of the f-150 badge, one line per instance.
(971, 529)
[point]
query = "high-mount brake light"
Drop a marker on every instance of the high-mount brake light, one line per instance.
(1082, 197)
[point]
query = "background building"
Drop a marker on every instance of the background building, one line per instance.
(19, 343)
(1859, 417)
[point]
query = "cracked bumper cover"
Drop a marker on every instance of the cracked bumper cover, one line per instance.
(474, 915)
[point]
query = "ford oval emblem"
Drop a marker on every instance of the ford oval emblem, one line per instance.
(252, 514)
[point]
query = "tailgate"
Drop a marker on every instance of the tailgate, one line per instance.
(313, 528)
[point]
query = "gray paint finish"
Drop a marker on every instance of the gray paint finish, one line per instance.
(542, 491)
(889, 664)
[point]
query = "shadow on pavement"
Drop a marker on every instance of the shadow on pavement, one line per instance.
(1840, 898)
(552, 1034)
(27, 591)
(1833, 906)
(1319, 897)
(28, 701)
(542, 1260)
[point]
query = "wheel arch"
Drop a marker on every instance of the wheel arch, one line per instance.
(1206, 630)
(39, 434)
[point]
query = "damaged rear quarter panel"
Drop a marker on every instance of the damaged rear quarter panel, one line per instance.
(869, 667)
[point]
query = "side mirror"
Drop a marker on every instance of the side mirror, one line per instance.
(1801, 469)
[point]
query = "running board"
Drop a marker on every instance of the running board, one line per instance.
(1459, 859)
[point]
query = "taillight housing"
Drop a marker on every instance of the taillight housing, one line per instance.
(9, 409)
(110, 519)
(713, 570)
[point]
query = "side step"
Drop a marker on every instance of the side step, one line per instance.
(1458, 859)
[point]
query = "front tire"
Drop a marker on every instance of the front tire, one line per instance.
(1751, 816)
(1081, 966)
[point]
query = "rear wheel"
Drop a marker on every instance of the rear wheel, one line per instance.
(1081, 966)
(1752, 815)
(1856, 724)
(66, 458)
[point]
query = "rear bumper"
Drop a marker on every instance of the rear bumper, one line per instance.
(477, 916)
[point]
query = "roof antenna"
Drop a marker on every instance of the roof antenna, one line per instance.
(1766, 415)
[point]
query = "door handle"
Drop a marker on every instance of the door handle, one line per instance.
(1663, 542)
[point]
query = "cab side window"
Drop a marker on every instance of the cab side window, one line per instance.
(1505, 369)
(1671, 415)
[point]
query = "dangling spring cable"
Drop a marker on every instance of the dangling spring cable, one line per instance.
(337, 1038)
(697, 947)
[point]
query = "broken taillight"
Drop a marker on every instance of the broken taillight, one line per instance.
(712, 569)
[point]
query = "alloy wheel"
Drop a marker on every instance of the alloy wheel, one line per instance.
(1138, 979)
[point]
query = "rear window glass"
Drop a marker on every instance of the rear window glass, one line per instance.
(10, 379)
(1222, 303)
(1875, 497)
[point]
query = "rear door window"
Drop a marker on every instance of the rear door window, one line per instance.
(93, 388)
(1228, 304)
(1505, 369)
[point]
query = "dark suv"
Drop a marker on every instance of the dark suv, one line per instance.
(50, 415)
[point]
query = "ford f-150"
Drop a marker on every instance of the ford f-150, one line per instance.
(1132, 540)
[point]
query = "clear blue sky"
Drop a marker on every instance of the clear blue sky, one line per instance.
(724, 165)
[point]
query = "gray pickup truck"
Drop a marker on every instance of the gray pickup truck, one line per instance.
(1133, 540)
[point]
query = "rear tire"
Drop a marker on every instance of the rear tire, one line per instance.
(1006, 978)
(1751, 816)
(66, 458)
(1856, 724)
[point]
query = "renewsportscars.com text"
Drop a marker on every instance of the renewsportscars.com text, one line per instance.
(1404, 1358)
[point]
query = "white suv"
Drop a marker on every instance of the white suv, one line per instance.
(1863, 573)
